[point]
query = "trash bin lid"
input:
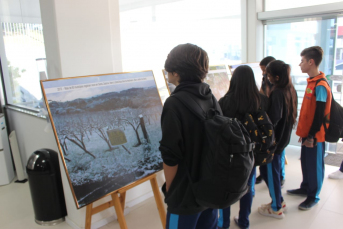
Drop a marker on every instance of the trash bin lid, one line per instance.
(38, 161)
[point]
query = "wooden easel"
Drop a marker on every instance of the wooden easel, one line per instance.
(118, 201)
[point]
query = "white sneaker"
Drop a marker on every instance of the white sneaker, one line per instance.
(267, 210)
(283, 204)
(336, 175)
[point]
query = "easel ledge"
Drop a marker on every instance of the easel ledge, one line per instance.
(118, 202)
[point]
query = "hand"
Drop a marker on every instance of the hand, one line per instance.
(308, 143)
(300, 139)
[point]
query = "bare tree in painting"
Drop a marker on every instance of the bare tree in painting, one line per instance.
(132, 119)
(62, 136)
(77, 132)
(99, 124)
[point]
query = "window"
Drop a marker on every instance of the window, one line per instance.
(22, 51)
(281, 4)
(286, 40)
(150, 29)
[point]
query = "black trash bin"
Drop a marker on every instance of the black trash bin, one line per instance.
(45, 182)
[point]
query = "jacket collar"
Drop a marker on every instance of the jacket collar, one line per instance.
(314, 79)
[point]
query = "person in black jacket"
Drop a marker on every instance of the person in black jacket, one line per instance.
(243, 97)
(182, 138)
(266, 87)
(283, 113)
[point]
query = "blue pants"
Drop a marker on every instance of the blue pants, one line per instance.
(283, 172)
(312, 166)
(244, 206)
(203, 220)
(271, 174)
(341, 168)
(283, 159)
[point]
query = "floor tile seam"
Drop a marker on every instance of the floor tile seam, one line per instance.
(332, 190)
(332, 211)
(311, 226)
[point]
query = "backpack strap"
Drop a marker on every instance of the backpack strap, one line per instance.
(326, 119)
(194, 106)
(322, 79)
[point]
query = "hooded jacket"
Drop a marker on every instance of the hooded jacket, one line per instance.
(181, 144)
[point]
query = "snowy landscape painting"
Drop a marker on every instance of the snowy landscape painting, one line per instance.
(108, 129)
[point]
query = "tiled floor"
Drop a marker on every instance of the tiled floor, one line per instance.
(16, 207)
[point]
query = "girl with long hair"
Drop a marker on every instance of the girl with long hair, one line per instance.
(243, 97)
(283, 113)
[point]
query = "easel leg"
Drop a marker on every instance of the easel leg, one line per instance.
(88, 216)
(159, 201)
(119, 211)
(122, 200)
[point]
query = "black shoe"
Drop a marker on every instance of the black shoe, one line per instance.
(258, 179)
(282, 183)
(307, 204)
(237, 223)
(297, 192)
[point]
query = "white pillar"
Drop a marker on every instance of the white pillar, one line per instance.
(82, 37)
(252, 31)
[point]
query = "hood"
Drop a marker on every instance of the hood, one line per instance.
(200, 90)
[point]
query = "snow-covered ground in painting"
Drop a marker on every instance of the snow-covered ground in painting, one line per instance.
(95, 167)
(83, 168)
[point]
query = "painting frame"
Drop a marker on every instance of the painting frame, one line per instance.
(46, 100)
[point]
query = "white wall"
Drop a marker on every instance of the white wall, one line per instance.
(30, 133)
(77, 37)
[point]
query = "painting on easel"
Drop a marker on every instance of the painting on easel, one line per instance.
(107, 128)
(218, 79)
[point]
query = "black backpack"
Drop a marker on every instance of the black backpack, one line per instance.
(227, 158)
(335, 130)
(261, 132)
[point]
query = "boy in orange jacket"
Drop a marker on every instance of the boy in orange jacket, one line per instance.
(316, 104)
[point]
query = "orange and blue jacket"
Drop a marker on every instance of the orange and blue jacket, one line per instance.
(308, 108)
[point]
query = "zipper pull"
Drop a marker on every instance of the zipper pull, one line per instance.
(231, 156)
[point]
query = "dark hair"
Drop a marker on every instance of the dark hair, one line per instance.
(266, 85)
(283, 70)
(243, 88)
(315, 52)
(265, 61)
(189, 61)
